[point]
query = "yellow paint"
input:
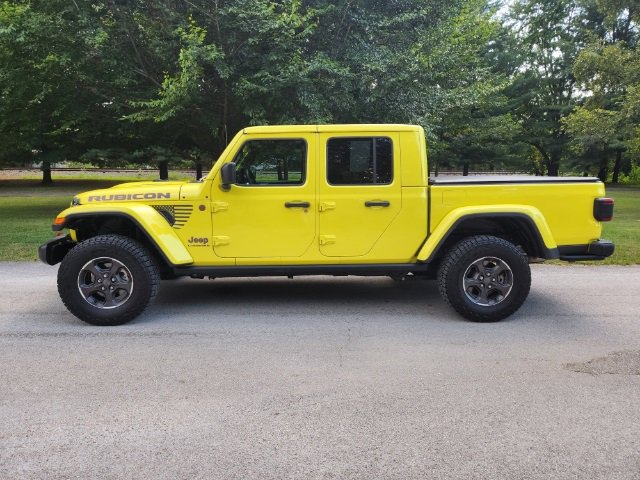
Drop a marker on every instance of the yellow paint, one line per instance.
(249, 224)
(254, 217)
(148, 218)
(446, 224)
(353, 227)
(566, 208)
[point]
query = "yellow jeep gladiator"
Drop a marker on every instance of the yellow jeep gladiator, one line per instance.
(325, 200)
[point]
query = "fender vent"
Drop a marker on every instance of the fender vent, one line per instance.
(176, 215)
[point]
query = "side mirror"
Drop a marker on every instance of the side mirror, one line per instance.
(228, 175)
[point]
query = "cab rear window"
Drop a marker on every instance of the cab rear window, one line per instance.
(359, 161)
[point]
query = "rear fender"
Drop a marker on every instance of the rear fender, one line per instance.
(531, 215)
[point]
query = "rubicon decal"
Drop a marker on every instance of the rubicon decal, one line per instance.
(129, 196)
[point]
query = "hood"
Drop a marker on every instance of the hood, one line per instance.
(132, 192)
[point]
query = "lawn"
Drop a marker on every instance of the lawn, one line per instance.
(27, 210)
(624, 230)
(26, 223)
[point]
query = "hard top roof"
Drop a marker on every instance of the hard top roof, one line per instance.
(382, 127)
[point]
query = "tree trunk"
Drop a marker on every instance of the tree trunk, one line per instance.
(164, 170)
(198, 170)
(617, 166)
(545, 158)
(465, 169)
(553, 168)
(46, 173)
(603, 171)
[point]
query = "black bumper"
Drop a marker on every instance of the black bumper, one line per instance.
(598, 250)
(54, 250)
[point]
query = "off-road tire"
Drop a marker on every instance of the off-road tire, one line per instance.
(460, 262)
(138, 264)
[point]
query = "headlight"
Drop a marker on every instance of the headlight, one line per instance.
(75, 201)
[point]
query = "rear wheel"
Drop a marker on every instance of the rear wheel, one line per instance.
(108, 280)
(484, 278)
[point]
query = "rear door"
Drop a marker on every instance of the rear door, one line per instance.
(359, 191)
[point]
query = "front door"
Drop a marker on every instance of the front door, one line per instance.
(359, 191)
(271, 210)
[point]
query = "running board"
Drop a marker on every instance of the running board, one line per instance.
(374, 270)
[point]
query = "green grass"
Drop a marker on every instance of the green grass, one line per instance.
(26, 223)
(624, 230)
(27, 210)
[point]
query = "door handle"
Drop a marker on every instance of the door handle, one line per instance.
(377, 203)
(297, 204)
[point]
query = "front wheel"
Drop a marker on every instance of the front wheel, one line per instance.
(108, 280)
(484, 278)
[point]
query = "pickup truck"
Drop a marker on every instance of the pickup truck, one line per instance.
(325, 200)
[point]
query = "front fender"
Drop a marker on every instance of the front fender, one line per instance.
(150, 222)
(453, 218)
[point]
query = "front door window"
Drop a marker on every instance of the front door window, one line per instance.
(272, 162)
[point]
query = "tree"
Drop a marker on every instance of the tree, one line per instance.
(475, 127)
(608, 70)
(231, 64)
(55, 77)
(320, 62)
(593, 131)
(550, 36)
(114, 81)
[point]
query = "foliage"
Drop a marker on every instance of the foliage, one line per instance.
(185, 76)
(474, 126)
(56, 81)
(593, 131)
(633, 177)
(608, 71)
(549, 36)
(550, 84)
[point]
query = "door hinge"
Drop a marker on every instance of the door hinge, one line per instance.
(219, 206)
(324, 206)
(327, 239)
(219, 241)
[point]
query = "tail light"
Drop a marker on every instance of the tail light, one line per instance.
(603, 209)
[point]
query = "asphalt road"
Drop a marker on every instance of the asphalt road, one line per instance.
(336, 378)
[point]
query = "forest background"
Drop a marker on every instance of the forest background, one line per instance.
(548, 87)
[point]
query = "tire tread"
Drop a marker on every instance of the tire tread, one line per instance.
(116, 242)
(452, 259)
